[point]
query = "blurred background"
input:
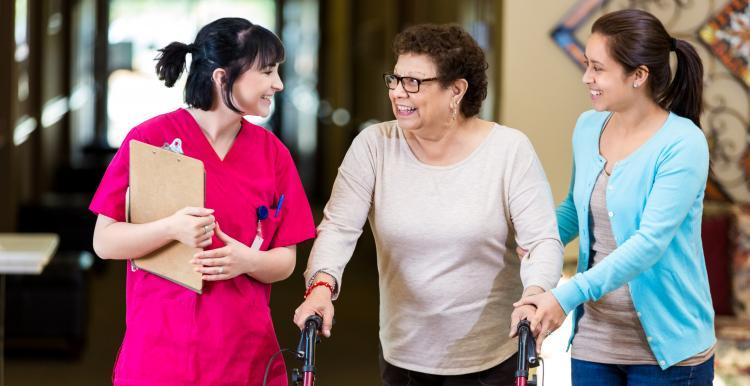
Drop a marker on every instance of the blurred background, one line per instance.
(77, 75)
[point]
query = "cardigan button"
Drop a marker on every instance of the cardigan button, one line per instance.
(611, 214)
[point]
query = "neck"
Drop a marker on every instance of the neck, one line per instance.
(216, 125)
(639, 115)
(446, 145)
(442, 134)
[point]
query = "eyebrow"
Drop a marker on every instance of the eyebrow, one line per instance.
(411, 75)
(592, 60)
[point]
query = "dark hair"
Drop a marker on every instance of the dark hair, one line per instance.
(637, 38)
(456, 55)
(231, 43)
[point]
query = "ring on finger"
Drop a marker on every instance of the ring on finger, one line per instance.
(205, 229)
(221, 270)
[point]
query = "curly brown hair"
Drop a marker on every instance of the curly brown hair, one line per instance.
(456, 55)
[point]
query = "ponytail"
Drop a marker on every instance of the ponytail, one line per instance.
(684, 96)
(171, 62)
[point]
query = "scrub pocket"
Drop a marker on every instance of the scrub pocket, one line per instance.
(268, 227)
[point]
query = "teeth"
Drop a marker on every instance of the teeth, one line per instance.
(267, 97)
(595, 92)
(405, 108)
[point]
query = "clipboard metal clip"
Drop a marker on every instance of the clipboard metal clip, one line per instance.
(175, 146)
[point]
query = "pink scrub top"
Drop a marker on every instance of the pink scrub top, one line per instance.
(225, 336)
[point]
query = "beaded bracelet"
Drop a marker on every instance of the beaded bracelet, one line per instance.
(318, 284)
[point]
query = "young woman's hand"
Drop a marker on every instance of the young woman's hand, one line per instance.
(549, 315)
(192, 226)
(227, 262)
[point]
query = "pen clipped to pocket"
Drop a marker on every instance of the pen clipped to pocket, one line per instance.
(265, 228)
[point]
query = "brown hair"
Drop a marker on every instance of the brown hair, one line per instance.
(637, 38)
(456, 55)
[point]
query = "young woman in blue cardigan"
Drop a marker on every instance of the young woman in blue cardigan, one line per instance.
(641, 303)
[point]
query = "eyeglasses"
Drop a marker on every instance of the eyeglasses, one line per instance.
(411, 85)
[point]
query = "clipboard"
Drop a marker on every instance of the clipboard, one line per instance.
(161, 183)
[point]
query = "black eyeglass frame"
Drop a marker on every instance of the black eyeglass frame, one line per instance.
(400, 79)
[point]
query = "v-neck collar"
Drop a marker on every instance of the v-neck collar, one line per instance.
(209, 148)
(633, 154)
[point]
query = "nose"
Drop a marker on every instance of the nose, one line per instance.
(278, 85)
(586, 78)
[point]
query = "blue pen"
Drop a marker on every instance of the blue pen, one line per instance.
(278, 206)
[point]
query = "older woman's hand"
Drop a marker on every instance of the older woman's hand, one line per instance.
(549, 315)
(523, 312)
(318, 302)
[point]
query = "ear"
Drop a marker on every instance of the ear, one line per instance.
(219, 77)
(640, 75)
(458, 89)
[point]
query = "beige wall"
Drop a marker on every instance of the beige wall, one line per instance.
(541, 90)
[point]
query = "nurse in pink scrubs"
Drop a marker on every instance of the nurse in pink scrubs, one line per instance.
(225, 335)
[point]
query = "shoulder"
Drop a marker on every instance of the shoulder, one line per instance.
(376, 135)
(158, 125)
(684, 129)
(379, 131)
(683, 135)
(508, 136)
(268, 142)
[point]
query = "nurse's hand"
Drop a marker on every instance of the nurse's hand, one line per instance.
(192, 226)
(318, 302)
(227, 262)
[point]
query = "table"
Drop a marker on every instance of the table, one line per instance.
(21, 254)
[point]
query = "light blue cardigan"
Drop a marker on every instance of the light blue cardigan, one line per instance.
(655, 203)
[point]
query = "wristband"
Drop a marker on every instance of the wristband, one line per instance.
(318, 284)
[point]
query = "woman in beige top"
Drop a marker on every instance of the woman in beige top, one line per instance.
(440, 186)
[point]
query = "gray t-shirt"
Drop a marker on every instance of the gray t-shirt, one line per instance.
(447, 280)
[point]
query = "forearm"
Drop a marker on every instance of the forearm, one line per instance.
(532, 290)
(120, 240)
(273, 265)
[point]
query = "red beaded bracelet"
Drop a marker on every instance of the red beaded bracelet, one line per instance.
(318, 284)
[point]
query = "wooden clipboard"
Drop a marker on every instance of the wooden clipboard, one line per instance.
(161, 183)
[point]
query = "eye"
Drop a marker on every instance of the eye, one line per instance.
(411, 81)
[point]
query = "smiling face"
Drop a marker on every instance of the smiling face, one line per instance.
(610, 88)
(253, 90)
(427, 108)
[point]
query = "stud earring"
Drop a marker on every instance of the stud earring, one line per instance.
(635, 85)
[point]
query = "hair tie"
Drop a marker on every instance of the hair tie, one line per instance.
(672, 44)
(191, 48)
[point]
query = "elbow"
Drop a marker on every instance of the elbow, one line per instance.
(100, 248)
(289, 268)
